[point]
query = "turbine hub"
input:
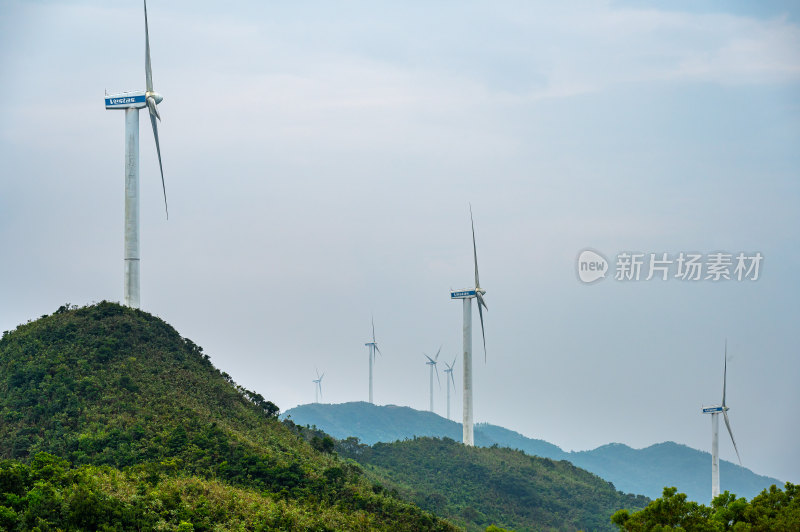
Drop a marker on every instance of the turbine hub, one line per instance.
(156, 96)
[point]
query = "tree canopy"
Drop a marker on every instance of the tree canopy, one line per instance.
(773, 510)
(476, 487)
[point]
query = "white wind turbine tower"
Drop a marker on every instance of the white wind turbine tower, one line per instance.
(373, 349)
(448, 380)
(715, 412)
(467, 295)
(131, 102)
(318, 386)
(432, 363)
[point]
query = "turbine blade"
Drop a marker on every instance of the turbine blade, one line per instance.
(454, 362)
(377, 350)
(481, 300)
(725, 373)
(437, 375)
(474, 248)
(153, 107)
(148, 71)
(483, 332)
(429, 358)
(453, 379)
(373, 330)
(728, 424)
(437, 352)
(158, 149)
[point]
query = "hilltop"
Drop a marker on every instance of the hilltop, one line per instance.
(111, 419)
(646, 471)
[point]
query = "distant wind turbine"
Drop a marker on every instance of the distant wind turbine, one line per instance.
(448, 380)
(467, 295)
(715, 411)
(131, 102)
(318, 386)
(373, 349)
(432, 363)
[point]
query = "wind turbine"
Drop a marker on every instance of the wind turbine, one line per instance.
(467, 295)
(448, 380)
(318, 386)
(715, 411)
(373, 348)
(131, 102)
(432, 363)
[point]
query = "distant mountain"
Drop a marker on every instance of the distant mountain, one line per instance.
(646, 471)
(372, 424)
(668, 464)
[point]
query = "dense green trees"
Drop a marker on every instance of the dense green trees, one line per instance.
(114, 402)
(477, 487)
(772, 510)
(47, 494)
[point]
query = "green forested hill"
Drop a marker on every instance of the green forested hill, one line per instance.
(476, 487)
(135, 418)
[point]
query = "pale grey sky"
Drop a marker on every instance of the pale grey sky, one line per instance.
(320, 159)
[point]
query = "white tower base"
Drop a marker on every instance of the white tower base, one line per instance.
(371, 356)
(714, 455)
(431, 396)
(131, 288)
(448, 400)
(467, 425)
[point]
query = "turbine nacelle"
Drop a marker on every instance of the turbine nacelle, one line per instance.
(467, 293)
(131, 99)
(127, 100)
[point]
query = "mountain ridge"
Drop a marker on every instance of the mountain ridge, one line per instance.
(645, 471)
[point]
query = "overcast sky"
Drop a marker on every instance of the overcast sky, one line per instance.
(320, 158)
